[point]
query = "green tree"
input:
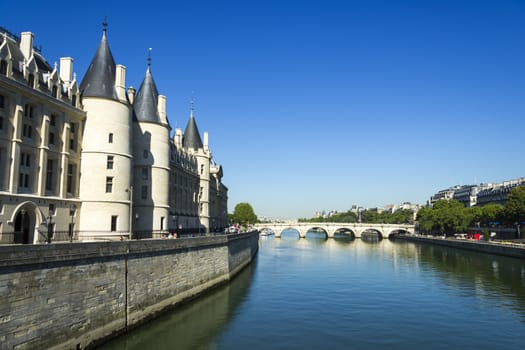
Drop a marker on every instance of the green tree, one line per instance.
(425, 218)
(491, 213)
(244, 214)
(515, 206)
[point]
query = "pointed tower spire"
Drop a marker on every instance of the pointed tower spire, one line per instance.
(145, 105)
(99, 80)
(192, 138)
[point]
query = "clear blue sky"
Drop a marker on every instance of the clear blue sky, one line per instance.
(320, 104)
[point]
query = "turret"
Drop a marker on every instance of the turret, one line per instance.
(193, 143)
(151, 153)
(105, 182)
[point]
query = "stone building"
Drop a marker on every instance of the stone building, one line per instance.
(94, 159)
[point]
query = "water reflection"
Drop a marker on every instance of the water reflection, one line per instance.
(341, 293)
(191, 326)
(473, 274)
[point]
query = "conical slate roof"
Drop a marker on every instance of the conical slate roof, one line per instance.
(99, 80)
(146, 100)
(192, 138)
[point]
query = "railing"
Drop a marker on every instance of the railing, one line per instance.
(76, 236)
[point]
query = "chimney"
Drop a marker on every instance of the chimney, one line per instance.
(178, 137)
(66, 69)
(161, 107)
(131, 94)
(205, 141)
(120, 81)
(26, 44)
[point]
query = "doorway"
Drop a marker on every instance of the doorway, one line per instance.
(24, 227)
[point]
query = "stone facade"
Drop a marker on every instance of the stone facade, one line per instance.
(93, 160)
(70, 295)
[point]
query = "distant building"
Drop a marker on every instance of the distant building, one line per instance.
(92, 159)
(497, 193)
(443, 194)
(482, 194)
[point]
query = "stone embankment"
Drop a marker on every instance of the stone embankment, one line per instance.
(515, 250)
(76, 295)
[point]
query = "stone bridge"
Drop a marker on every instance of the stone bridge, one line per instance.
(332, 228)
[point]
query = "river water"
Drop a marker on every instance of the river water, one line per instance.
(339, 294)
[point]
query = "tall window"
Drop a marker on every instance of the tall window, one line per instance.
(27, 130)
(71, 171)
(114, 223)
(144, 192)
(109, 184)
(27, 127)
(145, 173)
(54, 91)
(72, 137)
(51, 138)
(74, 100)
(49, 175)
(24, 171)
(3, 171)
(109, 164)
(29, 111)
(110, 138)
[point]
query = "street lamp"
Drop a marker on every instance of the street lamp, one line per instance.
(130, 212)
(72, 210)
(50, 213)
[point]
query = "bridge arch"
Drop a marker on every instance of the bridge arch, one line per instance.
(344, 232)
(315, 231)
(288, 231)
(372, 234)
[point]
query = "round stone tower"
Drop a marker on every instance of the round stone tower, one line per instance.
(152, 159)
(105, 180)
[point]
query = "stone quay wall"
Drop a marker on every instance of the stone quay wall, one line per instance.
(77, 295)
(495, 247)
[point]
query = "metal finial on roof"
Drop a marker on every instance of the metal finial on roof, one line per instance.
(149, 57)
(192, 104)
(105, 25)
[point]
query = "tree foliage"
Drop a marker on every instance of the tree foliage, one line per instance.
(450, 216)
(243, 214)
(515, 206)
(368, 216)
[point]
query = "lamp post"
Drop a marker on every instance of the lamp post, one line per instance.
(50, 223)
(130, 212)
(72, 210)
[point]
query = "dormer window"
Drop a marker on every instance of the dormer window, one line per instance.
(54, 91)
(3, 67)
(31, 80)
(74, 100)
